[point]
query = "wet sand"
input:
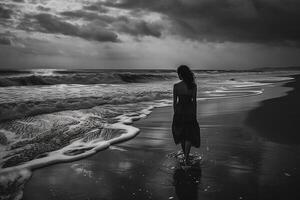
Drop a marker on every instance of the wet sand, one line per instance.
(279, 119)
(239, 162)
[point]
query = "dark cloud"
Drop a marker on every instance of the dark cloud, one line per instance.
(52, 24)
(19, 1)
(96, 7)
(5, 41)
(122, 24)
(139, 28)
(10, 39)
(253, 21)
(5, 13)
(43, 8)
(86, 15)
(258, 21)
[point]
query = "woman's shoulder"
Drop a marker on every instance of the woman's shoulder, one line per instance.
(178, 84)
(181, 88)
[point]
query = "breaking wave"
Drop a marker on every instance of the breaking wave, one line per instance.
(34, 142)
(38, 102)
(83, 78)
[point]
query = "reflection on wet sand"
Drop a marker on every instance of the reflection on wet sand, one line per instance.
(186, 182)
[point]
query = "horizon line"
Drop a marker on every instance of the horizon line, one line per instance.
(169, 69)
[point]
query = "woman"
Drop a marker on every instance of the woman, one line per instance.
(185, 127)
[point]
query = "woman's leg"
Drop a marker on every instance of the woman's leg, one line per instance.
(183, 147)
(187, 145)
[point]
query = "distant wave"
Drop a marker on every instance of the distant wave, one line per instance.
(84, 78)
(53, 77)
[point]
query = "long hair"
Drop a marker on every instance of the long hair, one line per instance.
(187, 76)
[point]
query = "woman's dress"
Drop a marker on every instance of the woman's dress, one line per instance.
(185, 125)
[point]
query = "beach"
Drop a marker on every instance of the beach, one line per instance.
(99, 97)
(239, 159)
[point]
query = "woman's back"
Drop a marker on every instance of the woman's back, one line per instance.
(185, 106)
(182, 89)
(185, 94)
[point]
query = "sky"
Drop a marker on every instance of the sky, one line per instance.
(125, 34)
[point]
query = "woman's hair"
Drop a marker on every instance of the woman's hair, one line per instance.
(187, 76)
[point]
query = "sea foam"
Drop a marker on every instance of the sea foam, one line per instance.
(97, 137)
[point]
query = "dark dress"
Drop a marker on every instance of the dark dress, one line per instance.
(185, 125)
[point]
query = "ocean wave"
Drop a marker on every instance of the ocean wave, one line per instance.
(32, 155)
(62, 137)
(17, 110)
(53, 77)
(83, 78)
(33, 137)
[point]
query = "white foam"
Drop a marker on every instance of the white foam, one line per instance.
(250, 84)
(11, 175)
(60, 156)
(94, 145)
(271, 79)
(8, 134)
(112, 147)
(128, 118)
(223, 94)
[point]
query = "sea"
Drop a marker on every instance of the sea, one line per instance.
(49, 116)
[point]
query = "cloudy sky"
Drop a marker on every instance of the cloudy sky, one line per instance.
(205, 34)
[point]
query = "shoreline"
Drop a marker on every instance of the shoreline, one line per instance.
(235, 159)
(278, 118)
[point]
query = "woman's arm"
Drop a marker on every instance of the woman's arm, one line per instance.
(174, 98)
(194, 98)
